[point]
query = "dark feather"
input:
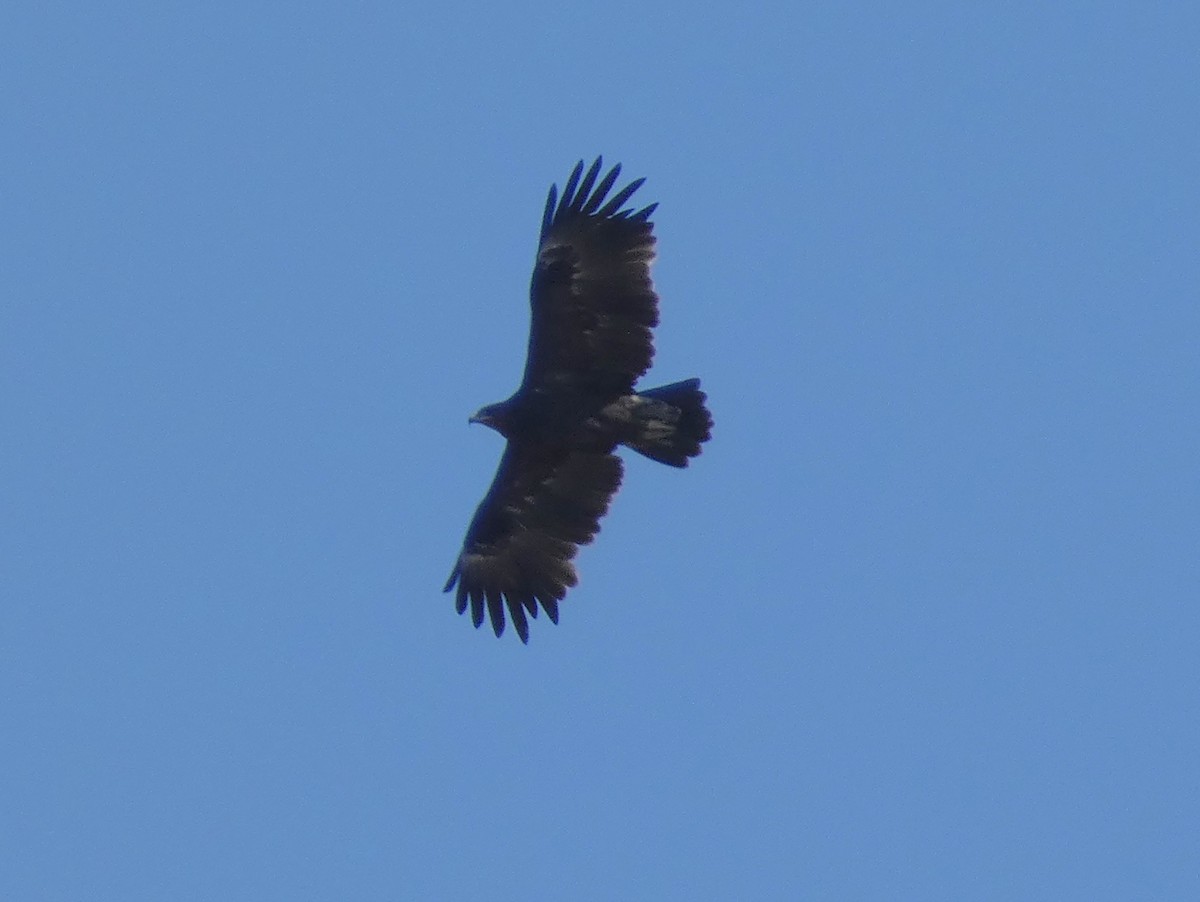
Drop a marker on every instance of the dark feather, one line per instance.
(586, 185)
(568, 197)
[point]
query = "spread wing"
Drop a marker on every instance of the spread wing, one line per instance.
(592, 302)
(541, 506)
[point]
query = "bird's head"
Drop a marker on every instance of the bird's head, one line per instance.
(494, 416)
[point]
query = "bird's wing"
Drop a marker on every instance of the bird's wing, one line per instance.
(592, 302)
(542, 505)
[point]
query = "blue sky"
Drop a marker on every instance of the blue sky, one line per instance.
(921, 623)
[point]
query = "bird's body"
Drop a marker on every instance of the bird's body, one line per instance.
(592, 311)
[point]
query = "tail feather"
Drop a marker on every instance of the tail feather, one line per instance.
(671, 422)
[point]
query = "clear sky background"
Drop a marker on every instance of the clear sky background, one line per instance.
(921, 623)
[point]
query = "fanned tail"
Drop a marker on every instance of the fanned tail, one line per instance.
(671, 422)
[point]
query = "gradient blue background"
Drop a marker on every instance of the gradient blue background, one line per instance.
(920, 624)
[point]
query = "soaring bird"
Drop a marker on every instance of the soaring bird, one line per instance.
(593, 307)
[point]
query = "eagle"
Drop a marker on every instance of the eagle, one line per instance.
(593, 309)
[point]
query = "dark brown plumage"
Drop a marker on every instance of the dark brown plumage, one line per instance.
(593, 307)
